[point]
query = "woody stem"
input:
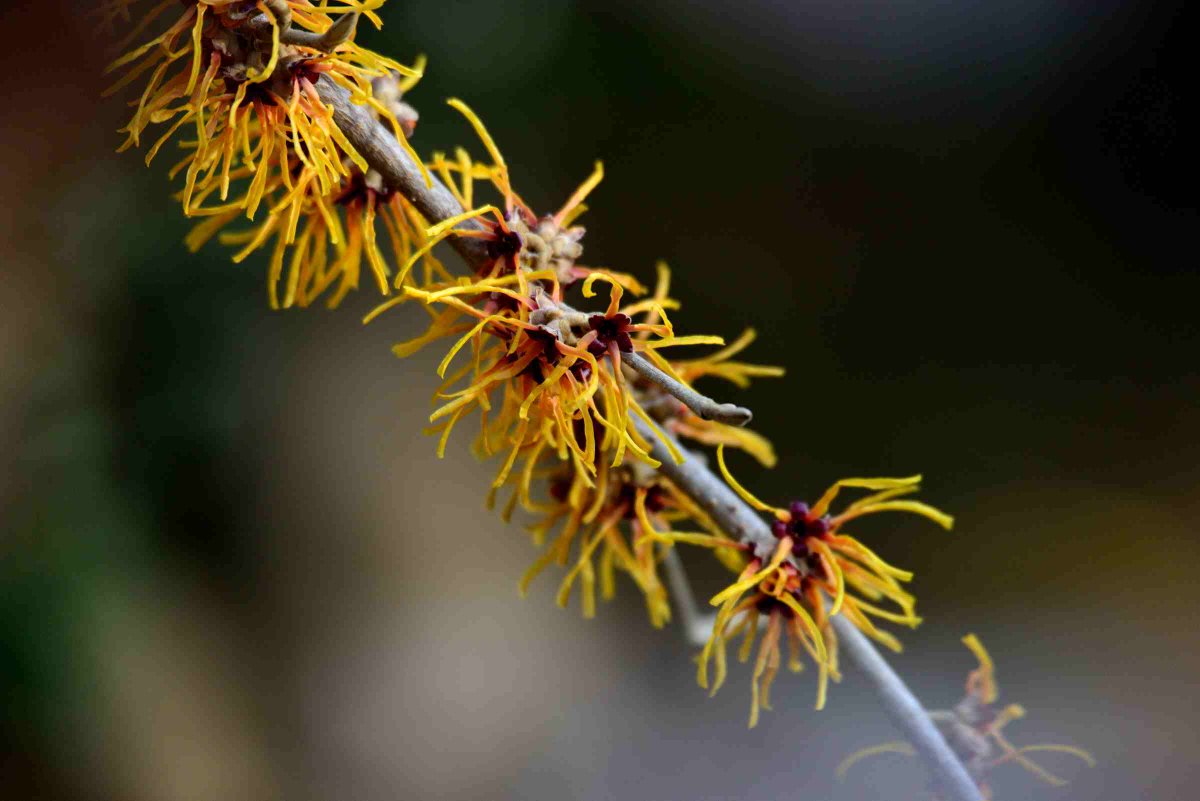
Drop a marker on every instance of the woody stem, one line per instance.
(383, 153)
(705, 407)
(379, 147)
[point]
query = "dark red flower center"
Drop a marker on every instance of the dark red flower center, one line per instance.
(505, 243)
(610, 331)
(802, 524)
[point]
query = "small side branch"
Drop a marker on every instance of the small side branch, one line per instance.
(696, 624)
(702, 405)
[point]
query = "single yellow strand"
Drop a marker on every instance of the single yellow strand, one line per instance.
(582, 192)
(480, 131)
(1027, 763)
(689, 340)
(441, 448)
(418, 69)
(916, 507)
(742, 492)
(1060, 749)
(986, 669)
(614, 297)
(269, 70)
(822, 505)
(895, 747)
(695, 538)
(198, 52)
(907, 619)
(519, 441)
(839, 578)
(138, 52)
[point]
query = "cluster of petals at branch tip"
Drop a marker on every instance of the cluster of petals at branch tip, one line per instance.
(973, 728)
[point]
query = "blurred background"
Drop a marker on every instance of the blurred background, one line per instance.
(231, 567)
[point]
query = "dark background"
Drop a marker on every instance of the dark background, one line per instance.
(231, 567)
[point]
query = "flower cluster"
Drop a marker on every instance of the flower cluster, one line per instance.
(236, 85)
(544, 377)
(814, 571)
(622, 523)
(973, 729)
(556, 399)
(579, 408)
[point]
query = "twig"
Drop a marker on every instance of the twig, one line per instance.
(704, 406)
(337, 33)
(696, 624)
(384, 154)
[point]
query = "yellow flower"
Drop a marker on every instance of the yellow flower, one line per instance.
(244, 84)
(813, 559)
(973, 730)
(793, 611)
(241, 78)
(621, 523)
(323, 243)
(541, 374)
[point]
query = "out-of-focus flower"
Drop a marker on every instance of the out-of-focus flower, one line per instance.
(238, 79)
(322, 242)
(973, 729)
(813, 559)
(624, 522)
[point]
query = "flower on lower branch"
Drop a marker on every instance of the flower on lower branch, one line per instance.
(623, 523)
(813, 571)
(973, 730)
